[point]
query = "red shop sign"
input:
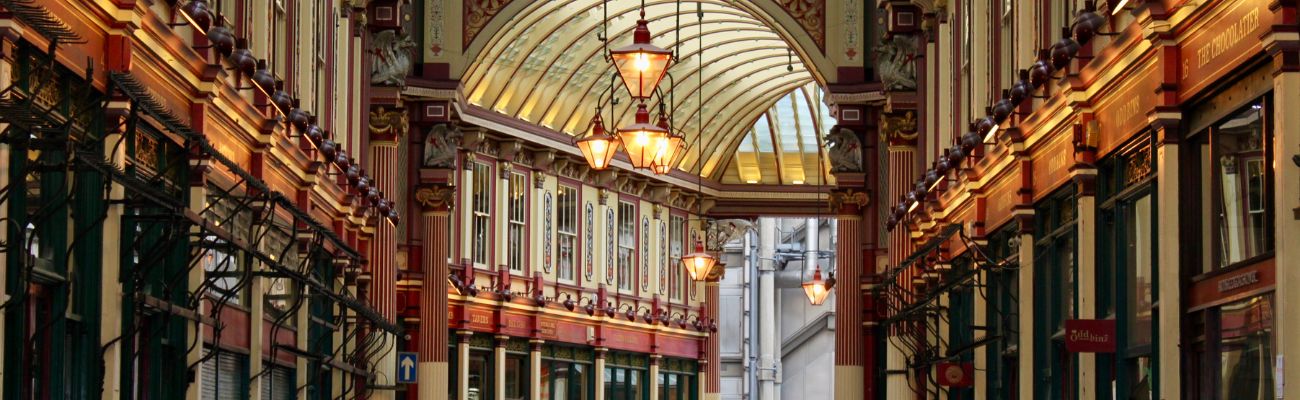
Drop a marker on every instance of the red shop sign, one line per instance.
(955, 374)
(1090, 335)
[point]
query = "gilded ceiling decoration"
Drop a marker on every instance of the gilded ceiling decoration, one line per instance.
(477, 15)
(811, 15)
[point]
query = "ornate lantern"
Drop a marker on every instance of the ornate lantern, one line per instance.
(598, 147)
(817, 289)
(641, 64)
(699, 264)
(642, 139)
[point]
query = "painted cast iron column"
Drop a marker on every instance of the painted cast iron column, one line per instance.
(900, 145)
(383, 246)
(435, 202)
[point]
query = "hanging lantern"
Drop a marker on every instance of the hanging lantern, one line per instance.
(699, 264)
(817, 289)
(668, 148)
(642, 139)
(641, 64)
(598, 147)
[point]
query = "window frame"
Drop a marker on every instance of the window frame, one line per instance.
(517, 219)
(676, 276)
(1203, 141)
(481, 214)
(575, 253)
(1126, 178)
(627, 213)
(1056, 215)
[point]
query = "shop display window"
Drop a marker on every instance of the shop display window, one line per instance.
(564, 380)
(1055, 266)
(1236, 164)
(1125, 275)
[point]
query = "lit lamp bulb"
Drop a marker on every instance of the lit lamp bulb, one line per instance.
(642, 62)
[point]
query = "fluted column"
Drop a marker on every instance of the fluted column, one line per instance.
(849, 342)
(383, 247)
(435, 221)
(902, 170)
(713, 356)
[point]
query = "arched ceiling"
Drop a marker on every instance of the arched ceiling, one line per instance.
(784, 146)
(547, 67)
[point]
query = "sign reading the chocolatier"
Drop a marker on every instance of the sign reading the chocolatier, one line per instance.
(1228, 38)
(1090, 335)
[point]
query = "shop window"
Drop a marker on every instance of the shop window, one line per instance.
(518, 214)
(481, 220)
(224, 264)
(481, 375)
(626, 245)
(1125, 274)
(279, 291)
(676, 241)
(517, 381)
(675, 386)
(624, 384)
(1246, 349)
(1236, 164)
(564, 380)
(567, 223)
(1054, 264)
(225, 376)
(1003, 313)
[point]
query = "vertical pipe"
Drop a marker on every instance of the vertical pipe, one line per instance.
(767, 309)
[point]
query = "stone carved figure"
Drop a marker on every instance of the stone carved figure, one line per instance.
(896, 62)
(722, 231)
(844, 150)
(440, 146)
(390, 60)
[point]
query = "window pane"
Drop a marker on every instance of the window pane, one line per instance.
(626, 245)
(1139, 280)
(1246, 351)
(482, 224)
(1239, 164)
(518, 211)
(567, 221)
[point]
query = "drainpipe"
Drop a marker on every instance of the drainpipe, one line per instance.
(811, 255)
(767, 336)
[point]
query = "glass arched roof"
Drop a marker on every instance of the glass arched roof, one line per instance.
(782, 145)
(547, 67)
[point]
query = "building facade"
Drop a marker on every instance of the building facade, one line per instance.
(1118, 224)
(215, 199)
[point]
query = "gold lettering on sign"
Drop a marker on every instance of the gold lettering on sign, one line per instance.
(1225, 40)
(547, 328)
(1127, 111)
(480, 319)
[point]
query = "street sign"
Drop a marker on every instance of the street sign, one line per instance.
(406, 367)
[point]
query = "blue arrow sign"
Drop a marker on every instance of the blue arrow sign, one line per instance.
(406, 367)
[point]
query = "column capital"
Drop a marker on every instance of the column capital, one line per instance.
(849, 201)
(899, 130)
(435, 199)
(387, 125)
